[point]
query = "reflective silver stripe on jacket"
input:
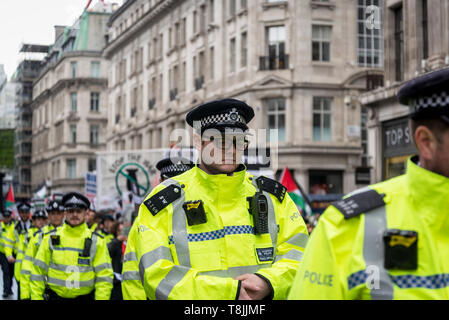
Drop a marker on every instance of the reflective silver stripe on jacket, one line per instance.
(172, 278)
(373, 252)
(69, 284)
(292, 255)
(299, 240)
(234, 271)
(179, 226)
(150, 258)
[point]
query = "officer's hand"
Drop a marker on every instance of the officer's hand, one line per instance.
(11, 259)
(255, 287)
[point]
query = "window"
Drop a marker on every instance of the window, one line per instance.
(399, 43)
(244, 50)
(325, 182)
(232, 55)
(276, 57)
(73, 69)
(71, 168)
(321, 43)
(94, 101)
(275, 109)
(91, 164)
(73, 101)
(243, 4)
(369, 38)
(364, 135)
(94, 134)
(73, 133)
(212, 62)
(95, 69)
(195, 22)
(211, 11)
(322, 115)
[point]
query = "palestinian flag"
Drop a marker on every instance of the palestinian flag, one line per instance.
(10, 202)
(296, 193)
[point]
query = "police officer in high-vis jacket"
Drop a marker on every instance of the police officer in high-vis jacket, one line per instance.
(391, 240)
(215, 231)
(171, 167)
(7, 226)
(72, 262)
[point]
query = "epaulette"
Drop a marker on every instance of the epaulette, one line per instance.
(273, 187)
(36, 232)
(48, 232)
(162, 199)
(359, 203)
(96, 233)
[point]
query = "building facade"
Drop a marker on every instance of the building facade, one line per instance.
(300, 64)
(416, 34)
(69, 105)
(26, 72)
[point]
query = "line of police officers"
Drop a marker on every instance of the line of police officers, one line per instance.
(213, 231)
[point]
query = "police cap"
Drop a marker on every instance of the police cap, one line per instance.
(75, 200)
(107, 217)
(39, 213)
(54, 206)
(7, 212)
(23, 207)
(221, 114)
(427, 96)
(170, 167)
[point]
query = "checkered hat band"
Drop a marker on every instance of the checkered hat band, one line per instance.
(175, 168)
(230, 117)
(436, 281)
(435, 100)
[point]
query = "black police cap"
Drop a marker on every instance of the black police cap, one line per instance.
(39, 213)
(54, 206)
(221, 114)
(23, 207)
(427, 95)
(75, 200)
(170, 167)
(107, 217)
(7, 212)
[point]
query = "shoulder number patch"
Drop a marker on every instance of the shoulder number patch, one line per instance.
(359, 203)
(162, 199)
(273, 187)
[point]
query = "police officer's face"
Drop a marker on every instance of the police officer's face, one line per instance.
(442, 155)
(56, 217)
(222, 153)
(75, 217)
(39, 222)
(24, 215)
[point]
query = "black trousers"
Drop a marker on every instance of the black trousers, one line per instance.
(51, 295)
(8, 273)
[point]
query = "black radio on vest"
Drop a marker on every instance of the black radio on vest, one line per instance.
(259, 210)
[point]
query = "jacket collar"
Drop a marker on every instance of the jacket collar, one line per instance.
(74, 231)
(429, 191)
(221, 181)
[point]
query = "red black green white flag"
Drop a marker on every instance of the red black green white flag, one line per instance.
(296, 193)
(10, 201)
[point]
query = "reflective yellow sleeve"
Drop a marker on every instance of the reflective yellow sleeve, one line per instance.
(291, 242)
(39, 270)
(132, 288)
(103, 271)
(321, 273)
(10, 239)
(27, 263)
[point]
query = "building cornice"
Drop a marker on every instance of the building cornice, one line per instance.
(149, 18)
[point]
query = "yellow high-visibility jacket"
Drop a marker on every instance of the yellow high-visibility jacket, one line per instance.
(346, 255)
(28, 260)
(61, 264)
(179, 257)
(18, 238)
(5, 242)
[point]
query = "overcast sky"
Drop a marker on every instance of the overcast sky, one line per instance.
(33, 21)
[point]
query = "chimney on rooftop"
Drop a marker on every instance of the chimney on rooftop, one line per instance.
(58, 31)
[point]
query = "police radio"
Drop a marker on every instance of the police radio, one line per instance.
(258, 207)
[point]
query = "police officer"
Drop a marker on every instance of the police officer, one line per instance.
(29, 247)
(17, 236)
(106, 221)
(90, 218)
(390, 240)
(215, 231)
(7, 268)
(72, 261)
(171, 167)
(56, 215)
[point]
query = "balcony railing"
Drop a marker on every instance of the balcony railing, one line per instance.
(199, 82)
(273, 62)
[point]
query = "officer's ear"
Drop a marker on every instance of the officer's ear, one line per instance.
(426, 143)
(197, 141)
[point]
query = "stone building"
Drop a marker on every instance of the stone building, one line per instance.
(416, 34)
(70, 104)
(300, 64)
